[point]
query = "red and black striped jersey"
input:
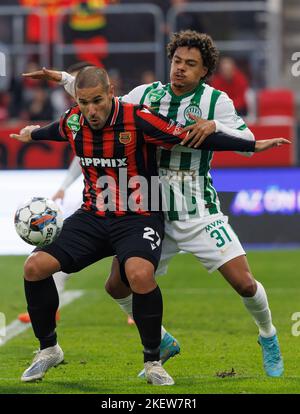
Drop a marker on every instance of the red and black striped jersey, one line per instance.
(124, 149)
(120, 159)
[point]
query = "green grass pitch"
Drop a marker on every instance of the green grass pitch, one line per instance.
(103, 354)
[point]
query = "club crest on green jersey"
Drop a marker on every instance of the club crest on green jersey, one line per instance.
(193, 110)
(156, 95)
(73, 123)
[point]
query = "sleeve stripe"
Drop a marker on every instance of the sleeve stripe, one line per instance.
(213, 100)
(160, 131)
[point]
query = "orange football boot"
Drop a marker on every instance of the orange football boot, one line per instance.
(25, 318)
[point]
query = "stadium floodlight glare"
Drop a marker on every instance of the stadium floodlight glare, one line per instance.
(2, 326)
(2, 64)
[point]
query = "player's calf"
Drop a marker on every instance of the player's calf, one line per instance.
(42, 297)
(140, 275)
(114, 285)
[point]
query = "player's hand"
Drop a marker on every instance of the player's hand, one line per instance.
(59, 195)
(25, 133)
(198, 131)
(265, 144)
(44, 74)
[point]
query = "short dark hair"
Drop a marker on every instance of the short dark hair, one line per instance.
(202, 41)
(76, 67)
(90, 77)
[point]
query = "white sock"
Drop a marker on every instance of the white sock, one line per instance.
(258, 306)
(126, 306)
(60, 279)
(163, 332)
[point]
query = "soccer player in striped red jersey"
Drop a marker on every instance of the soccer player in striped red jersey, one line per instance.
(109, 137)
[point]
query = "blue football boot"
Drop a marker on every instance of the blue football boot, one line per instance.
(169, 347)
(273, 362)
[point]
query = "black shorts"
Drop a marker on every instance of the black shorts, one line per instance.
(86, 238)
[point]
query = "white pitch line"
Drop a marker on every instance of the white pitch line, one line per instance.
(16, 327)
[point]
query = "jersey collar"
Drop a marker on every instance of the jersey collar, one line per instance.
(185, 95)
(111, 120)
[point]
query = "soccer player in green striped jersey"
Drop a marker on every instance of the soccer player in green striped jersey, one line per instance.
(194, 222)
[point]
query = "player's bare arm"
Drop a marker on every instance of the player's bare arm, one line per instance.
(265, 144)
(25, 133)
(257, 146)
(201, 129)
(44, 74)
(59, 195)
(49, 132)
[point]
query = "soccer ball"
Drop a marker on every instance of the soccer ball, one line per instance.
(38, 221)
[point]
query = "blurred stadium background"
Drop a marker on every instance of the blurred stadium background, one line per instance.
(260, 43)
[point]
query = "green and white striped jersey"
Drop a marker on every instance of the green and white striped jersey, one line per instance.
(184, 171)
(193, 192)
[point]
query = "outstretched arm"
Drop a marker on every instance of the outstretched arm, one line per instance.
(49, 132)
(265, 144)
(44, 74)
(63, 78)
(166, 133)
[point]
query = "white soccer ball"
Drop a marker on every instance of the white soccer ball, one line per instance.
(38, 221)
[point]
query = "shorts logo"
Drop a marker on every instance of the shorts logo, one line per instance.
(125, 137)
(214, 225)
(155, 96)
(193, 110)
(152, 236)
(73, 123)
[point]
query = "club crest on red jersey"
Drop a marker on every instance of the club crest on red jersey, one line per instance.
(125, 137)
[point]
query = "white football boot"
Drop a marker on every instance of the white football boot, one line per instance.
(156, 374)
(45, 359)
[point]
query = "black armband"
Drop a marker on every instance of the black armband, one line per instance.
(48, 133)
(219, 141)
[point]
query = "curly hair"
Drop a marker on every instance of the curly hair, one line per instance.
(202, 41)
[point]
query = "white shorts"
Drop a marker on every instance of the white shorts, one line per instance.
(211, 240)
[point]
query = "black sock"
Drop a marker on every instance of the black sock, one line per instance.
(42, 300)
(147, 312)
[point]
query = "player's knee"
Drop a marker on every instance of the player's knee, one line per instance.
(248, 287)
(32, 269)
(139, 277)
(37, 268)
